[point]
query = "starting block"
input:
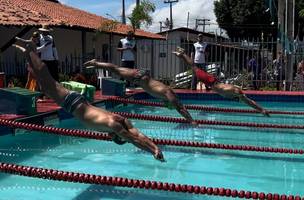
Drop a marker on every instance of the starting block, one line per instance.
(88, 91)
(113, 87)
(18, 101)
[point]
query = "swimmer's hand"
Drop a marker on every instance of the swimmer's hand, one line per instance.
(159, 156)
(194, 123)
(266, 113)
(90, 64)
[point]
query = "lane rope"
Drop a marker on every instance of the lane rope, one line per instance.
(106, 137)
(76, 177)
(206, 122)
(202, 108)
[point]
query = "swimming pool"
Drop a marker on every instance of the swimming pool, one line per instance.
(241, 170)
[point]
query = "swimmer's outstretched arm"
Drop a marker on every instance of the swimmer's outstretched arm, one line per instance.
(254, 105)
(90, 115)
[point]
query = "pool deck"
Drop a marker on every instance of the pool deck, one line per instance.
(48, 105)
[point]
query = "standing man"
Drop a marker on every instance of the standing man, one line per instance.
(254, 67)
(48, 51)
(279, 70)
(199, 57)
(127, 47)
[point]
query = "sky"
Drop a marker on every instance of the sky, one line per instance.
(198, 9)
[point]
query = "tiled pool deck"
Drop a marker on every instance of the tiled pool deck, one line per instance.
(49, 105)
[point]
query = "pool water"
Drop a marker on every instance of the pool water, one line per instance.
(253, 171)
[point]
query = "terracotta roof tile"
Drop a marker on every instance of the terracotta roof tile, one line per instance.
(37, 12)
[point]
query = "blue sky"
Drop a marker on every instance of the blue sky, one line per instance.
(198, 9)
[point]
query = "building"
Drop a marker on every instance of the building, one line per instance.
(75, 33)
(166, 64)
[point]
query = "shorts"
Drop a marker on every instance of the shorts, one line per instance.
(128, 64)
(202, 66)
(72, 101)
(141, 73)
(118, 140)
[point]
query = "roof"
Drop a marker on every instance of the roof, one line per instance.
(38, 12)
(184, 29)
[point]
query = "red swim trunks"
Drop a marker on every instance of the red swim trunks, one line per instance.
(206, 78)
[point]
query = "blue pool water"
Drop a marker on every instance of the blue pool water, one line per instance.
(261, 172)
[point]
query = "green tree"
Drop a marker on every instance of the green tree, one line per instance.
(299, 18)
(244, 18)
(141, 14)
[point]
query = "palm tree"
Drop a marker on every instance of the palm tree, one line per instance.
(141, 14)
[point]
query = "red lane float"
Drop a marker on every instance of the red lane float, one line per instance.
(104, 136)
(55, 130)
(203, 108)
(206, 122)
(135, 183)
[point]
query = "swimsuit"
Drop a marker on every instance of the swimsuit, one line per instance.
(118, 140)
(141, 73)
(205, 77)
(72, 101)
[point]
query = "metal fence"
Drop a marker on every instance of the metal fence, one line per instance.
(251, 63)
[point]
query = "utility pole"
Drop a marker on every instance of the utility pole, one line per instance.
(188, 16)
(123, 14)
(167, 22)
(281, 24)
(290, 13)
(171, 20)
(201, 22)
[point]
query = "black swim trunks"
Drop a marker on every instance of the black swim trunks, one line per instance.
(118, 140)
(141, 73)
(72, 101)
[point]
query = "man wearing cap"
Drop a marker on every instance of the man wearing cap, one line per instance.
(48, 51)
(199, 57)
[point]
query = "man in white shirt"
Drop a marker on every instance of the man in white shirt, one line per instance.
(199, 57)
(48, 52)
(127, 47)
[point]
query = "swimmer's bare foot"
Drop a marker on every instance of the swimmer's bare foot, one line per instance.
(19, 48)
(90, 64)
(159, 156)
(179, 51)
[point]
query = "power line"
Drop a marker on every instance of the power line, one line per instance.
(202, 22)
